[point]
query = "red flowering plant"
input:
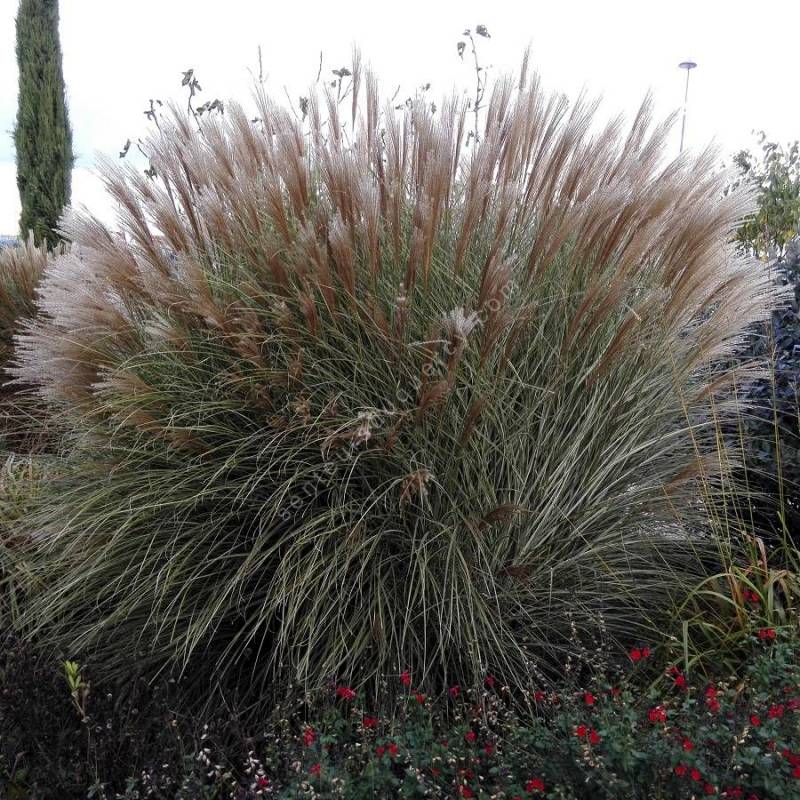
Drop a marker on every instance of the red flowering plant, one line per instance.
(484, 742)
(681, 739)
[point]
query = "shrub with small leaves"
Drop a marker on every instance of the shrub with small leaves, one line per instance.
(602, 737)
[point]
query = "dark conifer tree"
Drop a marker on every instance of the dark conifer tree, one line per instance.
(42, 135)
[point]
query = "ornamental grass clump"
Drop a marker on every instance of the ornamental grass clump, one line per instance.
(21, 432)
(21, 269)
(352, 394)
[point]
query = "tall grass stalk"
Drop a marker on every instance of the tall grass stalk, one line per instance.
(348, 397)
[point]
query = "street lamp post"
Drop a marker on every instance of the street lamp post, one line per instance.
(688, 66)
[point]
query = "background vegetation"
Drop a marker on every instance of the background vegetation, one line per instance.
(42, 135)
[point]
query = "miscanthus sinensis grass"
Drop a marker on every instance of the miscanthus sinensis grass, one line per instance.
(348, 395)
(21, 269)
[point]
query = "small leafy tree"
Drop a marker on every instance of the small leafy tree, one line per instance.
(42, 136)
(775, 174)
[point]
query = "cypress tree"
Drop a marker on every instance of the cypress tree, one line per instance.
(42, 135)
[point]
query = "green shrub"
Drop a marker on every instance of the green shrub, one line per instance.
(354, 398)
(774, 174)
(769, 436)
(686, 737)
(681, 739)
(49, 751)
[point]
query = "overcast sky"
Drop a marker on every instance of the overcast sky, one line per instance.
(119, 53)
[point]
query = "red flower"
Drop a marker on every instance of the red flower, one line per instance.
(471, 736)
(794, 759)
(490, 681)
(695, 773)
(489, 749)
(755, 720)
(775, 711)
(645, 652)
(733, 791)
(534, 785)
(393, 750)
(455, 691)
(308, 737)
(673, 670)
(465, 791)
(419, 697)
(405, 678)
(380, 750)
(370, 722)
(713, 705)
(657, 714)
(688, 746)
(681, 770)
(345, 692)
(581, 731)
(588, 698)
(539, 695)
(594, 736)
(616, 691)
(679, 681)
(793, 704)
(709, 789)
(711, 691)
(636, 654)
(435, 772)
(315, 770)
(262, 782)
(796, 772)
(766, 633)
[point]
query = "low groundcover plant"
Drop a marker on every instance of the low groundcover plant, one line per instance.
(687, 736)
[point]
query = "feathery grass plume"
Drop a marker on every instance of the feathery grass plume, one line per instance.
(354, 399)
(21, 269)
(21, 432)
